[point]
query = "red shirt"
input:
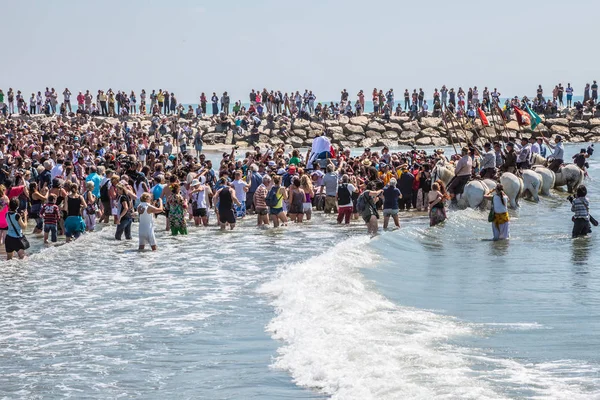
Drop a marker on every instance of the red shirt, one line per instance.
(50, 213)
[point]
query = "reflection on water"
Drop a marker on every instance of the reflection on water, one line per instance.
(580, 250)
(499, 248)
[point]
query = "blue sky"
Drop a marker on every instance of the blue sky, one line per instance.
(192, 46)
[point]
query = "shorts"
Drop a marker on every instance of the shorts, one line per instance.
(200, 212)
(275, 211)
(262, 211)
(390, 212)
(226, 216)
(13, 244)
(307, 208)
(240, 211)
(366, 217)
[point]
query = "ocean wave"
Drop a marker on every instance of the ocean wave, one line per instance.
(342, 338)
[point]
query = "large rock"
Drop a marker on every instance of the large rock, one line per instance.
(408, 135)
(430, 132)
(399, 119)
(557, 121)
(343, 120)
(275, 141)
(595, 131)
(577, 123)
(439, 142)
(368, 142)
(594, 122)
(392, 126)
(514, 125)
(354, 129)
(431, 122)
(579, 131)
(424, 141)
(559, 130)
(376, 126)
(301, 133)
(411, 126)
(336, 129)
(331, 122)
(355, 138)
(316, 127)
(373, 134)
(360, 120)
(337, 137)
(211, 138)
(296, 142)
(347, 144)
(300, 124)
(387, 142)
(312, 134)
(390, 135)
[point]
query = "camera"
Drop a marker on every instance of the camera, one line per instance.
(571, 198)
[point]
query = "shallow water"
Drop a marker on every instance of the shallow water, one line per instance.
(310, 312)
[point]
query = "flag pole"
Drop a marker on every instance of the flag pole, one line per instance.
(449, 133)
(495, 106)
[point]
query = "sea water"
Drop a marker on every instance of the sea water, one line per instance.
(312, 311)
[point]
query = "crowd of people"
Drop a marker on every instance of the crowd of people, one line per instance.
(64, 179)
(275, 102)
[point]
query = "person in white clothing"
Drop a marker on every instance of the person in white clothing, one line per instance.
(500, 221)
(146, 221)
(241, 187)
(199, 193)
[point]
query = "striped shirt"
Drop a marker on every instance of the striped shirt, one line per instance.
(580, 207)
(260, 196)
(50, 213)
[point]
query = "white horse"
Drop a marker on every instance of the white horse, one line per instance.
(569, 175)
(532, 184)
(472, 195)
(548, 179)
(442, 171)
(513, 187)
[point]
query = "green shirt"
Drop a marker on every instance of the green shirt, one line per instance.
(294, 160)
(1, 97)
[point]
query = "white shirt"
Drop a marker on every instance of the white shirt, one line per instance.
(56, 171)
(239, 186)
(500, 208)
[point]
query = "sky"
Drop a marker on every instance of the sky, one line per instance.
(189, 47)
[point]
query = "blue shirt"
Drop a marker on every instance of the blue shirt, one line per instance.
(14, 229)
(391, 194)
(94, 177)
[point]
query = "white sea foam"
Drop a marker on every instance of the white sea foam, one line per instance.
(341, 337)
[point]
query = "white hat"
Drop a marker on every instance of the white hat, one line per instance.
(195, 182)
(281, 171)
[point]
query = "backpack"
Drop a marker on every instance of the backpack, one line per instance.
(362, 202)
(104, 192)
(271, 200)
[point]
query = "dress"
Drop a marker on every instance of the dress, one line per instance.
(437, 214)
(146, 226)
(501, 223)
(176, 218)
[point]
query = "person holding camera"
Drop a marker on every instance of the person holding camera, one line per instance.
(580, 205)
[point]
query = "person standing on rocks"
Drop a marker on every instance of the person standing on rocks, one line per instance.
(569, 91)
(390, 98)
(407, 100)
(586, 93)
(561, 90)
(215, 104)
(595, 92)
(225, 103)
